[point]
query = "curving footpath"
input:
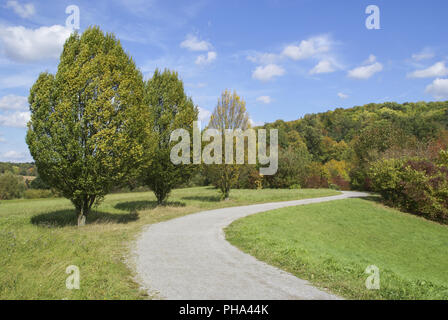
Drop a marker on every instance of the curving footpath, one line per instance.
(189, 258)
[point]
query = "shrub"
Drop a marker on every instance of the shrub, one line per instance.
(38, 193)
(248, 177)
(337, 173)
(334, 186)
(316, 176)
(417, 185)
(292, 167)
(359, 179)
(38, 183)
(11, 186)
(255, 179)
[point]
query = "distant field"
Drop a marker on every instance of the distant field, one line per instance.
(39, 239)
(332, 243)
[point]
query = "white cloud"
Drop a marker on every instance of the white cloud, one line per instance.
(342, 95)
(192, 43)
(15, 156)
(204, 114)
(437, 70)
(13, 102)
(17, 119)
(318, 47)
(206, 59)
(308, 48)
(366, 71)
(267, 72)
(423, 55)
(324, 66)
(264, 99)
(255, 123)
(12, 154)
(263, 58)
(24, 11)
(24, 45)
(2, 139)
(370, 59)
(438, 89)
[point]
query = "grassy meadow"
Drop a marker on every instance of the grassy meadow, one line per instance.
(331, 244)
(39, 239)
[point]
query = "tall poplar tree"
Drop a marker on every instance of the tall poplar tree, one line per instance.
(169, 109)
(89, 126)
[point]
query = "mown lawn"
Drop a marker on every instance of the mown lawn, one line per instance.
(39, 239)
(331, 244)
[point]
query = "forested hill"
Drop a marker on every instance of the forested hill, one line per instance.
(337, 148)
(421, 121)
(23, 169)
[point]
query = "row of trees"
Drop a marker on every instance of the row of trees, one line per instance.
(336, 148)
(96, 125)
(22, 169)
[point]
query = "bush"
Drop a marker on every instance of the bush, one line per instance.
(198, 179)
(38, 183)
(11, 186)
(417, 185)
(337, 173)
(334, 186)
(248, 177)
(292, 168)
(316, 176)
(38, 193)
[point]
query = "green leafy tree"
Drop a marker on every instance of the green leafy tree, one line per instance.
(332, 150)
(230, 113)
(11, 186)
(293, 165)
(38, 183)
(169, 109)
(369, 146)
(88, 128)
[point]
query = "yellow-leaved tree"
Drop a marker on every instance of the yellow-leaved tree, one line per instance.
(230, 113)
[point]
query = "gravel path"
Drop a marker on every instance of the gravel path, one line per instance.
(189, 258)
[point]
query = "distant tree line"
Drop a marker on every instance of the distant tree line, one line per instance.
(22, 169)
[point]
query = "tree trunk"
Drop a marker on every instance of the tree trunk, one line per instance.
(161, 195)
(81, 219)
(84, 210)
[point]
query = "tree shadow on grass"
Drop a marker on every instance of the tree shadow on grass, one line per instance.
(216, 198)
(133, 206)
(62, 218)
(373, 198)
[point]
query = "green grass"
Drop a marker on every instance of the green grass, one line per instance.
(331, 244)
(39, 239)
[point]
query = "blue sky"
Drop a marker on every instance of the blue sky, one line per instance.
(286, 58)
